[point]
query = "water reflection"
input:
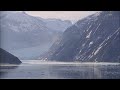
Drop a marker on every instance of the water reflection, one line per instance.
(86, 72)
(4, 69)
(61, 71)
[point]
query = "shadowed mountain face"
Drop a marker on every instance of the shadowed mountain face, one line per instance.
(7, 58)
(22, 33)
(94, 38)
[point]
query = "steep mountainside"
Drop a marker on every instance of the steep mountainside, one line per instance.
(94, 38)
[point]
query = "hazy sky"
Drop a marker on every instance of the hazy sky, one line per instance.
(64, 15)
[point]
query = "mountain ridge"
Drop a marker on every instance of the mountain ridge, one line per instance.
(22, 31)
(95, 38)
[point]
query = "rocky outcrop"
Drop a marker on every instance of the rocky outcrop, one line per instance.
(7, 58)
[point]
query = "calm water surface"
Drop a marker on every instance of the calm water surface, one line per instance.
(60, 70)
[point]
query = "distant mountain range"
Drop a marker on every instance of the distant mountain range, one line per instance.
(27, 36)
(56, 24)
(95, 38)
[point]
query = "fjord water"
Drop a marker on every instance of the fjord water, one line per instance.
(36, 69)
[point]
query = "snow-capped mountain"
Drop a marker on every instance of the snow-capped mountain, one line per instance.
(19, 30)
(95, 38)
(21, 33)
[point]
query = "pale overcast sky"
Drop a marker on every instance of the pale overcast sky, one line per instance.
(64, 15)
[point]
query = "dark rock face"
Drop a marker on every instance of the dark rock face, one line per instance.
(94, 38)
(7, 58)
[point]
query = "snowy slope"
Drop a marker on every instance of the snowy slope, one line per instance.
(20, 31)
(94, 38)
